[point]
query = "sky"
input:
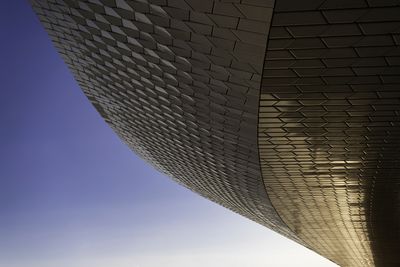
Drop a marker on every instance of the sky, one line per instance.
(72, 194)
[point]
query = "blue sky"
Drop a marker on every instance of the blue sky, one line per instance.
(73, 195)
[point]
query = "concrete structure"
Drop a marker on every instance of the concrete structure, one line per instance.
(286, 112)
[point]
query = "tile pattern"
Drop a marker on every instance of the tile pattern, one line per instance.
(329, 126)
(179, 82)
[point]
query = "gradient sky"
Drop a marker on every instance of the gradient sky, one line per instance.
(73, 195)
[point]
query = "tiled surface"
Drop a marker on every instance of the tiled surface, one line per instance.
(329, 126)
(179, 82)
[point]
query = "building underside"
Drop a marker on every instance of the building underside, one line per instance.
(286, 112)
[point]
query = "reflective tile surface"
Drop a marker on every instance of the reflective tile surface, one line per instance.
(329, 127)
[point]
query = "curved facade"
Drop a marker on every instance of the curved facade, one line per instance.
(285, 113)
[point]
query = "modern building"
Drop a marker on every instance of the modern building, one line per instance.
(286, 112)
